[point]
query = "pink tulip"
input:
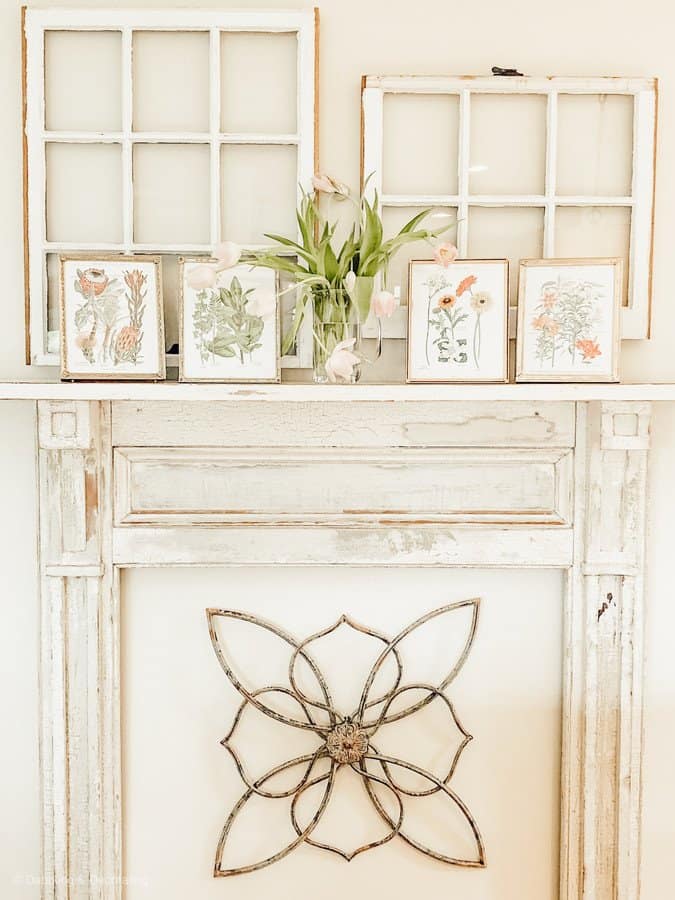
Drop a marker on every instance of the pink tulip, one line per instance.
(201, 277)
(341, 363)
(228, 254)
(445, 254)
(383, 304)
(324, 184)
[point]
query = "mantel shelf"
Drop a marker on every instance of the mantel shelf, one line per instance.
(304, 393)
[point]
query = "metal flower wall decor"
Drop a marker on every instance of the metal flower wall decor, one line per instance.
(347, 739)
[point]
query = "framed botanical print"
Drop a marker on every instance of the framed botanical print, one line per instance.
(229, 322)
(568, 320)
(458, 321)
(112, 324)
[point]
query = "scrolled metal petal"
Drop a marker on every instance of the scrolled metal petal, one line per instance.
(238, 615)
(248, 781)
(350, 855)
(466, 737)
(474, 605)
(387, 762)
(362, 629)
(220, 872)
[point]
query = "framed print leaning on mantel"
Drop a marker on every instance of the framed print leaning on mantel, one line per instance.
(112, 324)
(229, 322)
(458, 321)
(568, 320)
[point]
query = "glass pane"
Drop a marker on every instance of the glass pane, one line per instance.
(594, 231)
(508, 144)
(512, 233)
(258, 192)
(171, 193)
(393, 219)
(171, 81)
(595, 145)
(420, 144)
(83, 81)
(258, 83)
(84, 192)
(53, 287)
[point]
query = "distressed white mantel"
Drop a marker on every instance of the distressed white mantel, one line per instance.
(159, 475)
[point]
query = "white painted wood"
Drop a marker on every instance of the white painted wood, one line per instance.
(474, 546)
(587, 460)
(79, 677)
(330, 394)
(636, 315)
(364, 425)
(44, 344)
(196, 485)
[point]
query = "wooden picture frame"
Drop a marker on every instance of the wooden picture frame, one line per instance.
(569, 317)
(101, 340)
(458, 324)
(256, 277)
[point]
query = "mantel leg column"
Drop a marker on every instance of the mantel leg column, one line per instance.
(602, 779)
(79, 740)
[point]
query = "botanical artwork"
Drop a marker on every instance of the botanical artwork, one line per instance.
(230, 326)
(457, 320)
(568, 319)
(330, 744)
(111, 317)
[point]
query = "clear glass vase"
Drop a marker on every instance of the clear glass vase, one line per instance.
(337, 337)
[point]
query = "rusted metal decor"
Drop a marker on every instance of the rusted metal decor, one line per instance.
(345, 739)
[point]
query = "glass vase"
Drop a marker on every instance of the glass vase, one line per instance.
(337, 337)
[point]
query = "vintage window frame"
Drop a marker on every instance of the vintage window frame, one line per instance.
(42, 346)
(635, 317)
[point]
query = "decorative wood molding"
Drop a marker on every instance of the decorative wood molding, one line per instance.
(588, 465)
(79, 668)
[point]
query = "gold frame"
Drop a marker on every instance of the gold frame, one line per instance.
(458, 262)
(205, 260)
(534, 378)
(156, 260)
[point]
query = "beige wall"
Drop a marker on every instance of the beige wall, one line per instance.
(427, 36)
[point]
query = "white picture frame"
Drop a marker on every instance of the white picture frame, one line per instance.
(568, 320)
(229, 332)
(111, 317)
(458, 321)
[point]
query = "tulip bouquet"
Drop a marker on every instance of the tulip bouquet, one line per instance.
(336, 286)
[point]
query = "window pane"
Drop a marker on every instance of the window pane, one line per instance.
(594, 231)
(393, 219)
(420, 144)
(170, 297)
(84, 192)
(258, 83)
(508, 144)
(171, 81)
(513, 233)
(171, 193)
(258, 192)
(53, 287)
(595, 145)
(83, 82)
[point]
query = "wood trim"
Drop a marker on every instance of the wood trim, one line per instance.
(602, 552)
(24, 176)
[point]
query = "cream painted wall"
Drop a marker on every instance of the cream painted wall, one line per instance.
(427, 36)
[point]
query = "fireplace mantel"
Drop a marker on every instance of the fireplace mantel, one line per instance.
(202, 475)
(305, 393)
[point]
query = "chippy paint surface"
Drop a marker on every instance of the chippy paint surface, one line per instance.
(600, 544)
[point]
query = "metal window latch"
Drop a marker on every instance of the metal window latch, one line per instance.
(510, 73)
